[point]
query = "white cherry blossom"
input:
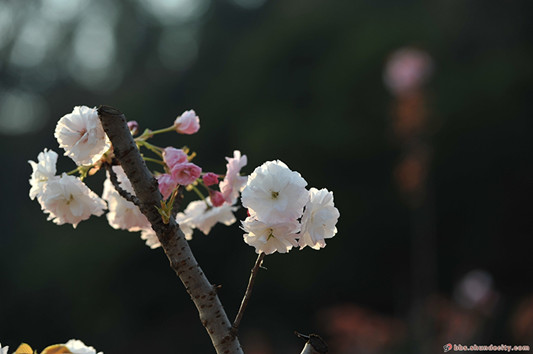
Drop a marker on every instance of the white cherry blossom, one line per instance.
(78, 347)
(123, 214)
(3, 350)
(68, 200)
(150, 238)
(185, 225)
(203, 216)
(81, 134)
(270, 238)
(319, 219)
(43, 170)
(274, 193)
(233, 182)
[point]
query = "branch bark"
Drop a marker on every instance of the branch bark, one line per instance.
(247, 293)
(172, 239)
(314, 344)
(114, 180)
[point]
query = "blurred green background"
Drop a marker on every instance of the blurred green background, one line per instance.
(299, 81)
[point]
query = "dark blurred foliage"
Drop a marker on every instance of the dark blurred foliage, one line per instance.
(300, 81)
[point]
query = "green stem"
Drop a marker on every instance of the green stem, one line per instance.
(164, 130)
(153, 160)
(199, 194)
(203, 185)
(73, 171)
(82, 170)
(147, 134)
(155, 149)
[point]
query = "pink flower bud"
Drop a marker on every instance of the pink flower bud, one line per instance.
(185, 173)
(217, 199)
(210, 179)
(187, 123)
(166, 184)
(173, 156)
(133, 126)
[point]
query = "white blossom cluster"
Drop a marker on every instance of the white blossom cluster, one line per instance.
(283, 214)
(68, 200)
(65, 198)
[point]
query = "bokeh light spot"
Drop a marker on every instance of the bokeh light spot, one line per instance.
(172, 11)
(31, 45)
(21, 112)
(62, 10)
(6, 24)
(94, 44)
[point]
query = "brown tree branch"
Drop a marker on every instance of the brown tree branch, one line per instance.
(177, 202)
(314, 344)
(123, 193)
(172, 239)
(248, 292)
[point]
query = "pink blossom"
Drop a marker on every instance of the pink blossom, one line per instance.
(185, 173)
(233, 183)
(217, 199)
(187, 123)
(166, 184)
(210, 179)
(173, 156)
(407, 69)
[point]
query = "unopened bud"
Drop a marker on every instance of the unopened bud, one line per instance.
(133, 127)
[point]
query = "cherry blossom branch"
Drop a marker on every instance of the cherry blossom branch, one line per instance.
(172, 239)
(314, 344)
(247, 293)
(123, 193)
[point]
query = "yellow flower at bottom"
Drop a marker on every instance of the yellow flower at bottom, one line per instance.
(56, 349)
(24, 349)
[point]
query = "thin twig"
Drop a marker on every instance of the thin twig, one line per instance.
(248, 293)
(123, 193)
